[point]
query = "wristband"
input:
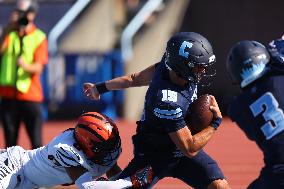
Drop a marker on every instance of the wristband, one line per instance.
(101, 87)
(216, 121)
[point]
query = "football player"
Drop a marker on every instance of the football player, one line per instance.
(258, 109)
(78, 155)
(163, 139)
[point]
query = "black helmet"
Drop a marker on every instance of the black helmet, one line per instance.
(246, 62)
(185, 50)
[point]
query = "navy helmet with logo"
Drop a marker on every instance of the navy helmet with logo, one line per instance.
(186, 50)
(246, 62)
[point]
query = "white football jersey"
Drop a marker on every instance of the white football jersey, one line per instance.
(45, 166)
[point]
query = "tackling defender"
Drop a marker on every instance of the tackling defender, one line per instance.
(79, 155)
(163, 140)
(258, 110)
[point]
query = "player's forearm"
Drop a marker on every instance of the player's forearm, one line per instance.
(142, 78)
(200, 139)
(124, 82)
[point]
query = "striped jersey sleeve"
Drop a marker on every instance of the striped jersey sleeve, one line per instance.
(165, 113)
(66, 155)
(170, 115)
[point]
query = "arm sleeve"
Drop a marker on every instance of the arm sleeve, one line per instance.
(170, 116)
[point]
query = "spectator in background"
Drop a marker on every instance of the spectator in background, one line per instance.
(23, 57)
(258, 109)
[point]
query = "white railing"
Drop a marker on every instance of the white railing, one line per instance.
(63, 23)
(134, 25)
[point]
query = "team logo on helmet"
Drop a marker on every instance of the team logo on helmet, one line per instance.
(182, 48)
(251, 73)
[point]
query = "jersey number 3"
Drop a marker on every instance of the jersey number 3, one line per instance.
(267, 106)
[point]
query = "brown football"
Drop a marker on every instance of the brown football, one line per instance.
(199, 116)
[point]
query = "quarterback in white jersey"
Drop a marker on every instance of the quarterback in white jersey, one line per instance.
(78, 155)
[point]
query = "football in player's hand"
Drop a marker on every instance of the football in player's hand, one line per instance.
(199, 116)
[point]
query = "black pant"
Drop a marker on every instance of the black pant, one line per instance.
(13, 112)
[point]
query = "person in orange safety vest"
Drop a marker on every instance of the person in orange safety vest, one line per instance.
(24, 53)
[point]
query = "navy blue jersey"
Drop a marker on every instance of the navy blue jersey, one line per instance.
(164, 110)
(258, 111)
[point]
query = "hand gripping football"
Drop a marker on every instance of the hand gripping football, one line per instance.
(199, 116)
